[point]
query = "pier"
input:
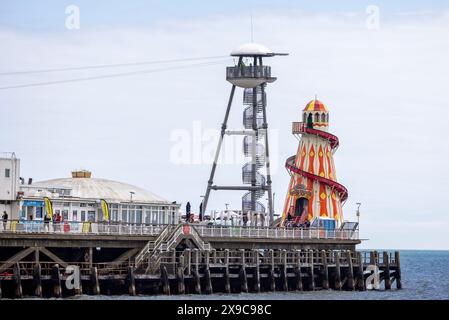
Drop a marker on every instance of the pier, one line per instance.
(185, 259)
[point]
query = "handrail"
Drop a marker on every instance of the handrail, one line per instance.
(87, 228)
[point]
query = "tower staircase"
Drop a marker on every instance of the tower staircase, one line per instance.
(253, 119)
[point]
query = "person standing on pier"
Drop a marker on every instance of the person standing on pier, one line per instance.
(187, 211)
(5, 219)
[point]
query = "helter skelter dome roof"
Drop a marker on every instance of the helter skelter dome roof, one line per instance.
(315, 105)
(252, 49)
(95, 188)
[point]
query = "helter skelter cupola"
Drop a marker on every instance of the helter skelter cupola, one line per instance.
(252, 75)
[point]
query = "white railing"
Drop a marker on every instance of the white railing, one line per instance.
(104, 228)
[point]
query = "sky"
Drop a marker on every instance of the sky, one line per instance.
(383, 76)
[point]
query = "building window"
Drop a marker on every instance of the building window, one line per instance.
(147, 216)
(83, 215)
(7, 173)
(115, 215)
(304, 117)
(91, 216)
(65, 214)
(317, 117)
(82, 205)
(66, 204)
(75, 215)
(124, 215)
(139, 214)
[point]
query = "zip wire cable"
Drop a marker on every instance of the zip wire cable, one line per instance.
(116, 75)
(101, 66)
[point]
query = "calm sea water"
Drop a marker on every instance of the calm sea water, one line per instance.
(425, 275)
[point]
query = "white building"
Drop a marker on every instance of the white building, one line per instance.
(78, 198)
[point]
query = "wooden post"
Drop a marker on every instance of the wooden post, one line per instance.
(284, 279)
(312, 272)
(196, 281)
(94, 282)
(165, 281)
(180, 278)
(188, 261)
(360, 278)
(242, 272)
(131, 281)
(17, 281)
(256, 271)
(91, 257)
(350, 274)
(398, 270)
(298, 275)
(325, 271)
(37, 280)
(337, 271)
(271, 272)
(386, 271)
(208, 280)
(227, 283)
(56, 279)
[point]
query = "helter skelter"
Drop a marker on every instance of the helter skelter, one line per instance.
(313, 191)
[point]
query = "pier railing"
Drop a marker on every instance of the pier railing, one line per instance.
(205, 231)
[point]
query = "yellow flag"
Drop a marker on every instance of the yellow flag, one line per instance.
(48, 207)
(105, 209)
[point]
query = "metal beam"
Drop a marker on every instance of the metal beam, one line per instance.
(125, 256)
(247, 188)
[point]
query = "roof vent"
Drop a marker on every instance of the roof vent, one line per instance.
(81, 174)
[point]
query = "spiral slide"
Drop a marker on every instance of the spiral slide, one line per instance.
(290, 162)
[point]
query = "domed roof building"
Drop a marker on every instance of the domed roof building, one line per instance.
(79, 199)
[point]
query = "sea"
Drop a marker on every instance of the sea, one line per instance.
(425, 275)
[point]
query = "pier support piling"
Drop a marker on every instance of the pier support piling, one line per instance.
(94, 281)
(311, 271)
(165, 281)
(256, 274)
(350, 273)
(227, 284)
(386, 272)
(337, 271)
(37, 281)
(325, 271)
(131, 281)
(17, 281)
(397, 260)
(56, 279)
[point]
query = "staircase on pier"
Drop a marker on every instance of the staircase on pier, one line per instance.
(150, 257)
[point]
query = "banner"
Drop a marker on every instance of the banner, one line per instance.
(105, 209)
(48, 207)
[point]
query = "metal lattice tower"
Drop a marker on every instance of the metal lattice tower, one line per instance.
(253, 78)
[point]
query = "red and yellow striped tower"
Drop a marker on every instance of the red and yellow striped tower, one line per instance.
(313, 190)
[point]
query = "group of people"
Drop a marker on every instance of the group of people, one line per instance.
(290, 223)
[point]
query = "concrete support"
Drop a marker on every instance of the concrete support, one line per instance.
(227, 283)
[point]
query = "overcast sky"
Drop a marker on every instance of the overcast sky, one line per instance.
(385, 84)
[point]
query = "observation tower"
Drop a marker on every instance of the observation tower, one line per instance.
(313, 190)
(252, 76)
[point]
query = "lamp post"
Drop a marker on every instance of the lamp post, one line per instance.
(131, 195)
(357, 213)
